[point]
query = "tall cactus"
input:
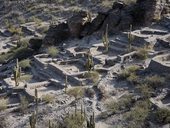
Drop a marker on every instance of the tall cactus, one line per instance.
(91, 123)
(36, 100)
(105, 39)
(89, 63)
(75, 110)
(81, 112)
(130, 38)
(66, 83)
(17, 73)
(32, 120)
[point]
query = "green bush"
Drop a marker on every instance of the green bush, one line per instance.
(48, 98)
(133, 78)
(52, 51)
(138, 114)
(163, 116)
(155, 81)
(25, 64)
(123, 103)
(15, 30)
(74, 121)
(14, 53)
(76, 92)
(123, 75)
(25, 77)
(145, 90)
(92, 75)
(3, 104)
(129, 74)
(142, 54)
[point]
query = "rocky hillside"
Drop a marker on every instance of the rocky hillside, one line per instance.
(84, 64)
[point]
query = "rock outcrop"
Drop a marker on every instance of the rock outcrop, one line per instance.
(77, 22)
(57, 34)
(119, 17)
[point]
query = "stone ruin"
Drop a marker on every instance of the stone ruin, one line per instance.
(160, 64)
(119, 17)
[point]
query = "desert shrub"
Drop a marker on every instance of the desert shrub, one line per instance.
(23, 43)
(90, 92)
(142, 54)
(145, 90)
(15, 30)
(123, 75)
(155, 81)
(92, 75)
(25, 64)
(163, 116)
(123, 103)
(133, 78)
(76, 92)
(20, 53)
(3, 104)
(52, 51)
(138, 115)
(103, 94)
(74, 121)
(4, 58)
(133, 68)
(21, 20)
(129, 74)
(3, 123)
(43, 29)
(48, 98)
(128, 2)
(26, 77)
(23, 104)
(36, 20)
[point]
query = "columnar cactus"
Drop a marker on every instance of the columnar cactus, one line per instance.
(105, 39)
(82, 112)
(91, 123)
(33, 120)
(17, 73)
(66, 83)
(130, 38)
(36, 100)
(89, 63)
(75, 109)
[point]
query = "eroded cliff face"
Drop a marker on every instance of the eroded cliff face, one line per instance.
(118, 18)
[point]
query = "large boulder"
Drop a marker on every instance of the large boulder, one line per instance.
(77, 22)
(35, 43)
(56, 34)
(94, 25)
(150, 10)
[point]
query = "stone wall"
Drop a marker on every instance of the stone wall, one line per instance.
(157, 66)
